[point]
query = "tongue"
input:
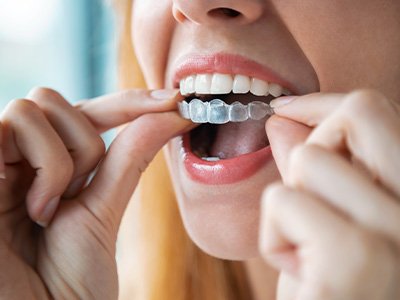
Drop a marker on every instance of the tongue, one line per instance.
(234, 139)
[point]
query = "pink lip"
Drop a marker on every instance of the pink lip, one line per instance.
(227, 64)
(224, 171)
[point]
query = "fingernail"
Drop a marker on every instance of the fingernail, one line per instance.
(164, 94)
(281, 101)
(48, 212)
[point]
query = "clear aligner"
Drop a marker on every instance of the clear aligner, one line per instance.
(218, 112)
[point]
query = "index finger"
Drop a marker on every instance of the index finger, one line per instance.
(310, 109)
(112, 110)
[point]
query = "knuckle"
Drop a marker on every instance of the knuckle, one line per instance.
(126, 98)
(21, 107)
(367, 94)
(44, 96)
(98, 146)
(143, 164)
(274, 202)
(272, 194)
(43, 93)
(300, 159)
(93, 151)
(129, 94)
(365, 103)
(56, 176)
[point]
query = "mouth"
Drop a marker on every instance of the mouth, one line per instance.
(240, 127)
(233, 146)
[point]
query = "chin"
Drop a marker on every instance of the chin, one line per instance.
(222, 232)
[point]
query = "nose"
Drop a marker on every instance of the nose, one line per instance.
(207, 12)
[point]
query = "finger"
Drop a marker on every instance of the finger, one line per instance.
(112, 110)
(320, 172)
(128, 156)
(310, 109)
(84, 144)
(289, 219)
(2, 164)
(45, 152)
(368, 125)
(321, 239)
(283, 135)
(288, 287)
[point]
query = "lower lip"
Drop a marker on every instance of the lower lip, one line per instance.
(224, 171)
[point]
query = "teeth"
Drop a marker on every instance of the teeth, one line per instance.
(221, 84)
(182, 87)
(241, 84)
(218, 112)
(286, 92)
(217, 83)
(211, 158)
(275, 90)
(202, 84)
(190, 84)
(259, 87)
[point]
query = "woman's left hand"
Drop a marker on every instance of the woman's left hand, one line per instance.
(332, 228)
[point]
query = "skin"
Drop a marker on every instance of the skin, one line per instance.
(336, 158)
(311, 62)
(71, 255)
(316, 47)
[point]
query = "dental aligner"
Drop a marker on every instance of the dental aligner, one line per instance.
(218, 112)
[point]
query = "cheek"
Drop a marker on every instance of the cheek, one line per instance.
(152, 29)
(332, 33)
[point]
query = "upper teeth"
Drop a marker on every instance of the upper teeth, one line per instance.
(224, 84)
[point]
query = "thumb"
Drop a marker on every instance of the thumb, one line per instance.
(284, 135)
(132, 150)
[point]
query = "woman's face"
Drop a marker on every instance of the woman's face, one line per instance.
(304, 45)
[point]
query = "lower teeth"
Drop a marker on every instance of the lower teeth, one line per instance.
(211, 158)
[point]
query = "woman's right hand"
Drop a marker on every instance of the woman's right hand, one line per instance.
(48, 150)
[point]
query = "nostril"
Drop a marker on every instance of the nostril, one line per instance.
(224, 12)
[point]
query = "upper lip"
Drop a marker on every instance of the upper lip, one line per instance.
(226, 63)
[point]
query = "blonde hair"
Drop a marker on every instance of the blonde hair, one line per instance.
(169, 265)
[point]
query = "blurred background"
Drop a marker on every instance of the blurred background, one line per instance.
(67, 45)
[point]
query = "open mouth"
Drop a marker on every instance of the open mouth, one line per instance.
(229, 139)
